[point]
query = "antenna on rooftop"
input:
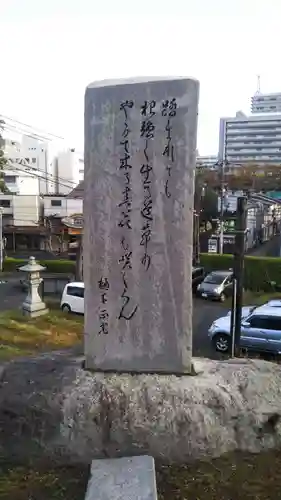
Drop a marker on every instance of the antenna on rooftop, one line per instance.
(258, 84)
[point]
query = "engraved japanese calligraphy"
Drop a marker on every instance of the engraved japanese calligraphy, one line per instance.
(146, 171)
(128, 308)
(169, 110)
(103, 285)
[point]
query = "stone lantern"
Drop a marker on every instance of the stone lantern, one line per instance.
(33, 305)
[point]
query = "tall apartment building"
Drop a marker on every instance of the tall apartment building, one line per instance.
(266, 103)
(251, 139)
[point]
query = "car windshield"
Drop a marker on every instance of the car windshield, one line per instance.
(214, 279)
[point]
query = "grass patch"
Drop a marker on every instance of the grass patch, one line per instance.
(238, 476)
(22, 336)
(66, 483)
(259, 298)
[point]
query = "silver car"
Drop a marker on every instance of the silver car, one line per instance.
(260, 329)
(217, 285)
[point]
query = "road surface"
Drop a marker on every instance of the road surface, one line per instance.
(204, 313)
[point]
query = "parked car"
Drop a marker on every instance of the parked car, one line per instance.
(260, 329)
(217, 285)
(198, 274)
(246, 310)
(72, 299)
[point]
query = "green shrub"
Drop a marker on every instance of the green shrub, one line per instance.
(259, 271)
(52, 266)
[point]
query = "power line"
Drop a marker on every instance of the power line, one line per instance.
(43, 177)
(51, 178)
(13, 128)
(29, 126)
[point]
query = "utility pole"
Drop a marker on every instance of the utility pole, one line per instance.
(238, 270)
(199, 194)
(221, 207)
(1, 239)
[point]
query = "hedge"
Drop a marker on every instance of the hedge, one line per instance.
(259, 271)
(52, 266)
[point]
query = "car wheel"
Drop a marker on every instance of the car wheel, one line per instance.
(222, 297)
(221, 342)
(65, 308)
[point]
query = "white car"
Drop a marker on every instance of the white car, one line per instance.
(72, 299)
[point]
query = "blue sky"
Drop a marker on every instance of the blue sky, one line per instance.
(51, 49)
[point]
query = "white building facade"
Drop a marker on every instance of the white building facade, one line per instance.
(61, 207)
(209, 162)
(254, 139)
(36, 166)
(266, 103)
(28, 166)
(21, 211)
(69, 170)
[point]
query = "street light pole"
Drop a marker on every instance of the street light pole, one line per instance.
(222, 165)
(238, 271)
(1, 239)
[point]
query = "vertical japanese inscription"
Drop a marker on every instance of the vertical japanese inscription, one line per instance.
(169, 111)
(146, 171)
(103, 314)
(128, 308)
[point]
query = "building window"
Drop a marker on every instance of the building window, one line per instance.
(33, 160)
(10, 179)
(5, 203)
(56, 203)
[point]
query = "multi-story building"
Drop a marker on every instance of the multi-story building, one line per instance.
(39, 165)
(22, 221)
(266, 103)
(69, 170)
(209, 161)
(33, 222)
(254, 139)
(29, 167)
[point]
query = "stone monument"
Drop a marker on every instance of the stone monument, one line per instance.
(140, 143)
(33, 305)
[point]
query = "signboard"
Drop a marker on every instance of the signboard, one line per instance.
(74, 221)
(213, 246)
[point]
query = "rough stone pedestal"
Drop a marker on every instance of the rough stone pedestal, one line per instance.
(51, 408)
(33, 305)
(140, 148)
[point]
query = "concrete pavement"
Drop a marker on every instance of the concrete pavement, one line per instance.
(204, 313)
(11, 296)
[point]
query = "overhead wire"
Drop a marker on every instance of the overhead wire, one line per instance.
(45, 178)
(22, 124)
(51, 177)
